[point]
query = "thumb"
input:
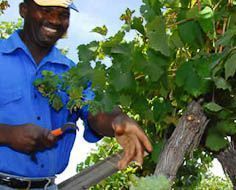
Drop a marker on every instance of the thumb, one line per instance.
(119, 129)
(51, 137)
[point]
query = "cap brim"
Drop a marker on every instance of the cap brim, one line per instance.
(72, 6)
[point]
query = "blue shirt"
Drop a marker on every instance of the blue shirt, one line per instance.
(21, 103)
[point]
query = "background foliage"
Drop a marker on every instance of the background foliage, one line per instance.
(183, 50)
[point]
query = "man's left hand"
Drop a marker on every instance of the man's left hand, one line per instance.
(133, 140)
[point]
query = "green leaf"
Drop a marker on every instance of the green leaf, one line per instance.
(75, 92)
(108, 102)
(184, 3)
(127, 16)
(47, 73)
(191, 34)
(157, 148)
(137, 24)
(139, 104)
(88, 52)
(99, 77)
(121, 49)
(175, 40)
(187, 78)
(226, 127)
(101, 30)
(125, 100)
(156, 34)
(206, 13)
(154, 71)
(230, 66)
(150, 9)
(228, 38)
(216, 142)
(222, 83)
(212, 106)
(203, 68)
(114, 40)
(121, 81)
(161, 109)
(57, 103)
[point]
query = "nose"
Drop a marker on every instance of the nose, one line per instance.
(54, 18)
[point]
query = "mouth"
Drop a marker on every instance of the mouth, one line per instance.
(50, 30)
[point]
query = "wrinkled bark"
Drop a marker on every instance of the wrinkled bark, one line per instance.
(92, 175)
(227, 158)
(184, 139)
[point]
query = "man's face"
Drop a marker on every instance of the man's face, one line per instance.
(45, 25)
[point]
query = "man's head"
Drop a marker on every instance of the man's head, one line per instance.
(44, 24)
(60, 3)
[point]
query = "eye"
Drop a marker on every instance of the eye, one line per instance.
(65, 15)
(45, 9)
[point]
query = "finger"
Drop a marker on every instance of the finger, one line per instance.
(128, 156)
(49, 139)
(139, 150)
(144, 140)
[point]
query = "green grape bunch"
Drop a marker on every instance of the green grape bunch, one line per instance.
(150, 183)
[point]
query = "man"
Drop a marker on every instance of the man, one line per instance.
(30, 155)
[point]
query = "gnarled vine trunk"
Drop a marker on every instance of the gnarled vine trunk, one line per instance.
(227, 158)
(183, 140)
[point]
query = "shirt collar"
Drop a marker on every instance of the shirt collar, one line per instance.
(14, 42)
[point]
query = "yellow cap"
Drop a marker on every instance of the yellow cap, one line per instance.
(59, 3)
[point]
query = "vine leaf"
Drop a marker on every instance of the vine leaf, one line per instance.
(212, 106)
(216, 142)
(157, 148)
(137, 24)
(230, 66)
(187, 78)
(100, 30)
(157, 36)
(57, 103)
(194, 40)
(222, 83)
(87, 52)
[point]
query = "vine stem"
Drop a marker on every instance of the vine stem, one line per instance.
(199, 5)
(180, 22)
(223, 32)
(217, 5)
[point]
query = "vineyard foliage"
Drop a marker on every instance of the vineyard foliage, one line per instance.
(183, 50)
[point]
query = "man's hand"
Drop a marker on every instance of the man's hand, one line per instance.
(29, 138)
(132, 139)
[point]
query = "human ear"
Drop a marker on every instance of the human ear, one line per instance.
(23, 7)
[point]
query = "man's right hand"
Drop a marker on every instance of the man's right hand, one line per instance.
(29, 138)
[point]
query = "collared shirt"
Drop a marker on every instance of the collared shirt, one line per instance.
(21, 103)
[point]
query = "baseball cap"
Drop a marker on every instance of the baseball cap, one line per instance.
(59, 3)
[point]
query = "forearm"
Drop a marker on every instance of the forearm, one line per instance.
(5, 131)
(102, 122)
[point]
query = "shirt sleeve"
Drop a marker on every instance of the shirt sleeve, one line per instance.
(89, 134)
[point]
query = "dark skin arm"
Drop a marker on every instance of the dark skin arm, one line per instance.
(127, 132)
(26, 138)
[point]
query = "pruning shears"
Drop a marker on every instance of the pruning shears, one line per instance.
(66, 126)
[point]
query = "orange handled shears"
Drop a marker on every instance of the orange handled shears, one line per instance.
(66, 126)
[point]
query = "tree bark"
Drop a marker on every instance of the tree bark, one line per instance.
(92, 175)
(184, 139)
(227, 158)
